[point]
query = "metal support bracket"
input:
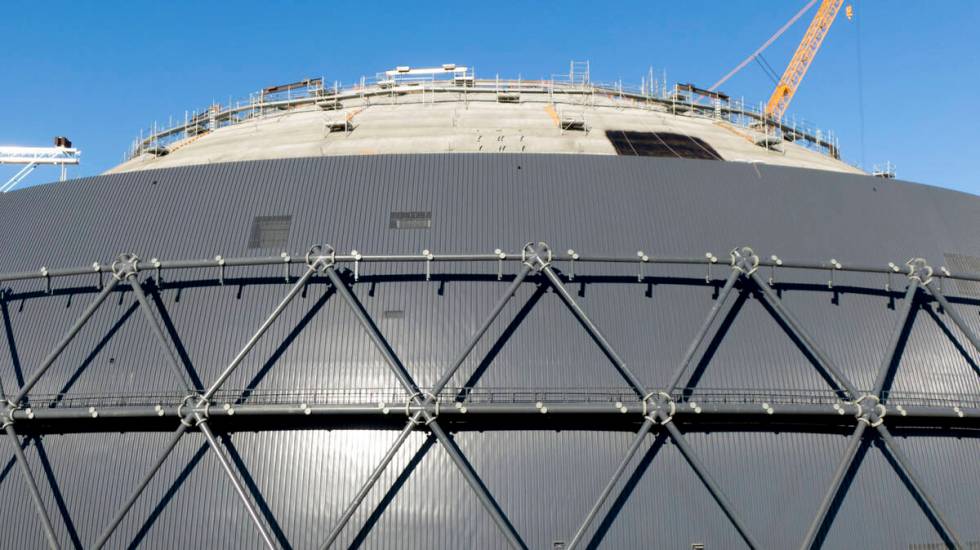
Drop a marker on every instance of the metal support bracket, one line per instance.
(537, 256)
(193, 410)
(871, 414)
(126, 266)
(419, 402)
(744, 260)
(919, 270)
(7, 419)
(659, 404)
(320, 257)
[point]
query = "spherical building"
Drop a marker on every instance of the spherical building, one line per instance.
(437, 311)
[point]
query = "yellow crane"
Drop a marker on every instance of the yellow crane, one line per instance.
(790, 81)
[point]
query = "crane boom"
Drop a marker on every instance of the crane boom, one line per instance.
(790, 81)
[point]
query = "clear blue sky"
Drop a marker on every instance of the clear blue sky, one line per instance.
(99, 71)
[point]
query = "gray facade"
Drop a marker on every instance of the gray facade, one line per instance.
(757, 409)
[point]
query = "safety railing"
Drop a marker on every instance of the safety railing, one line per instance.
(491, 395)
(470, 88)
(643, 263)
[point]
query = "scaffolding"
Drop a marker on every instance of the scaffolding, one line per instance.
(406, 84)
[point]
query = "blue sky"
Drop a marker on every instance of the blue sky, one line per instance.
(99, 71)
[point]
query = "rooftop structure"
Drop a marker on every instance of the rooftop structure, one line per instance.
(449, 109)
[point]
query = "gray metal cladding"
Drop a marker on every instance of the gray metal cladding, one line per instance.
(545, 480)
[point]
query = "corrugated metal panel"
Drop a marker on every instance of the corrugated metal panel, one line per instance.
(545, 481)
(962, 263)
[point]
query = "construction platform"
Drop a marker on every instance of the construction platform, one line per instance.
(447, 109)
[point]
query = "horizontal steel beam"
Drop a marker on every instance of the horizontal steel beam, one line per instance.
(53, 420)
(508, 257)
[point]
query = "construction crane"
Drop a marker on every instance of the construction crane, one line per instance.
(62, 154)
(807, 50)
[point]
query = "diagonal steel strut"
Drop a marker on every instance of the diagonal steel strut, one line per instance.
(875, 418)
(200, 420)
(702, 333)
(212, 389)
(709, 482)
(953, 314)
(60, 347)
(635, 384)
(63, 343)
(641, 434)
(128, 505)
(811, 346)
(147, 310)
(73, 331)
(420, 413)
(945, 529)
(908, 309)
(904, 316)
(481, 330)
(414, 420)
(42, 513)
(853, 445)
(644, 394)
(21, 460)
(216, 447)
(854, 441)
(405, 379)
(369, 484)
(648, 423)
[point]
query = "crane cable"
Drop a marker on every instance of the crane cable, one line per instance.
(765, 45)
(767, 68)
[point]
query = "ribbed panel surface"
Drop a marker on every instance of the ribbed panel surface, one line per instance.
(544, 481)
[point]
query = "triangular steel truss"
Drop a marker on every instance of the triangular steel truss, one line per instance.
(658, 406)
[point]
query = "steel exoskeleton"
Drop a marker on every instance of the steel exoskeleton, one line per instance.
(658, 406)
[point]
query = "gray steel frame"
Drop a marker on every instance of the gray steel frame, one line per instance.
(657, 407)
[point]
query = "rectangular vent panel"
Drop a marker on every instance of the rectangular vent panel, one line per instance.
(410, 220)
(964, 264)
(269, 232)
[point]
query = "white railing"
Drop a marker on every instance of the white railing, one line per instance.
(412, 86)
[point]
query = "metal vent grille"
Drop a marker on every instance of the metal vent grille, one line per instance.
(269, 232)
(964, 264)
(410, 220)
